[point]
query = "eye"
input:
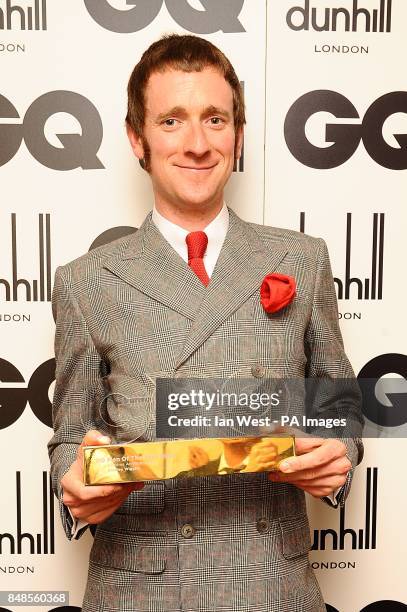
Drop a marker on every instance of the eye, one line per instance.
(216, 120)
(170, 122)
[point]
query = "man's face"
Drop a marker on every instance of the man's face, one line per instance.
(191, 138)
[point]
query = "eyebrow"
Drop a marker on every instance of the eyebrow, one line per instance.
(216, 110)
(180, 111)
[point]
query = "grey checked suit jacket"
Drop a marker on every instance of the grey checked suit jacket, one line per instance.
(135, 305)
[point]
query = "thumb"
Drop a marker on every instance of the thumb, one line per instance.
(92, 438)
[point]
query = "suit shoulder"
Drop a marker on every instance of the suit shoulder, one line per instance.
(291, 239)
(93, 260)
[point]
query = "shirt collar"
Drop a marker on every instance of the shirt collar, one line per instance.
(175, 234)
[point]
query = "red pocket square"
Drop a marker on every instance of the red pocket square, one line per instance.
(277, 291)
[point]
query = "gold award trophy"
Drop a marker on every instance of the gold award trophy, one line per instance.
(138, 460)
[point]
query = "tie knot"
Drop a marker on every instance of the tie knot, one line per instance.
(196, 243)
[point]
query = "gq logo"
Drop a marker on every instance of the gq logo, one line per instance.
(113, 233)
(377, 606)
(13, 400)
(217, 15)
(345, 137)
(384, 399)
(77, 150)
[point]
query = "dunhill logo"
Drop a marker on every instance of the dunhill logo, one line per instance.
(352, 19)
(37, 290)
(367, 288)
(39, 543)
(361, 539)
(13, 16)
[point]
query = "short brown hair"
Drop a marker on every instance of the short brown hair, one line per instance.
(179, 52)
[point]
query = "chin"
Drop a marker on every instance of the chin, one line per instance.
(200, 200)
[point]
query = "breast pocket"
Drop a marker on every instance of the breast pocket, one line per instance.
(279, 339)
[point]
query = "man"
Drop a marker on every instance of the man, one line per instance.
(134, 310)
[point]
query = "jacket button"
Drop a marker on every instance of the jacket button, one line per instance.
(257, 371)
(187, 531)
(263, 525)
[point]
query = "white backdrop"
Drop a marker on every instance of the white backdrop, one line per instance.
(58, 193)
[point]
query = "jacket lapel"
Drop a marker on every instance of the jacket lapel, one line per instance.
(242, 264)
(151, 265)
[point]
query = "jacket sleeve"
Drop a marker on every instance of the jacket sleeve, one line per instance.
(78, 386)
(326, 359)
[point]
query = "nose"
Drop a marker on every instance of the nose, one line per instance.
(196, 141)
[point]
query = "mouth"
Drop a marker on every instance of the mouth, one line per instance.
(196, 168)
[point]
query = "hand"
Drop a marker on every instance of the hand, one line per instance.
(262, 456)
(320, 467)
(93, 504)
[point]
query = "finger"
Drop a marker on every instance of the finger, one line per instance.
(102, 496)
(134, 486)
(91, 495)
(92, 438)
(88, 512)
(306, 444)
(84, 511)
(99, 517)
(98, 511)
(106, 491)
(78, 493)
(326, 452)
(319, 491)
(334, 468)
(334, 482)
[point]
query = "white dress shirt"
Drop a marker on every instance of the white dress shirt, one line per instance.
(175, 235)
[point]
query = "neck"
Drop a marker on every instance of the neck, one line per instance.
(189, 219)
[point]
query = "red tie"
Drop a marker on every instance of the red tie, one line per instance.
(197, 243)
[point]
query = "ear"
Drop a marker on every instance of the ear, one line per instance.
(135, 142)
(239, 143)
